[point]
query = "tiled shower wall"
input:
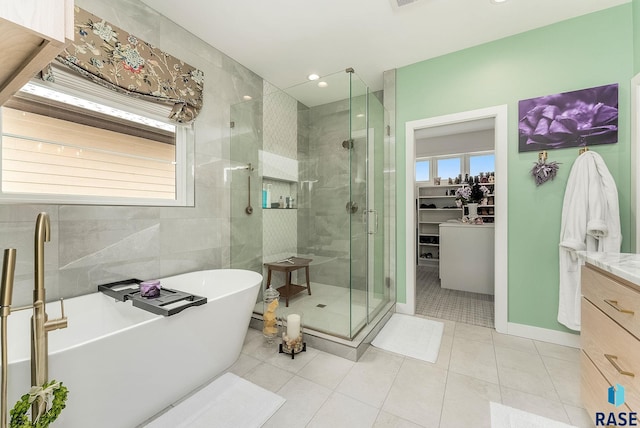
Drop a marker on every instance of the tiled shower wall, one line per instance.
(245, 143)
(97, 244)
(336, 176)
(280, 114)
(319, 226)
(324, 171)
(280, 130)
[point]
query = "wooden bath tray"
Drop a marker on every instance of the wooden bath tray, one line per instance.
(168, 303)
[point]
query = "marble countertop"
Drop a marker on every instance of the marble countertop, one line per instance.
(624, 265)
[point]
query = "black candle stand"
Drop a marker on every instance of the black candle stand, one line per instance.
(293, 350)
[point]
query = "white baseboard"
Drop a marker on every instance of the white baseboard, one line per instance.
(520, 330)
(544, 334)
(404, 308)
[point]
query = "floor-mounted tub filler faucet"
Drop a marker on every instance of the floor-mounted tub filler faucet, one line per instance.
(40, 324)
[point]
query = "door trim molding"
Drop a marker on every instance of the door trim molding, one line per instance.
(499, 114)
(635, 172)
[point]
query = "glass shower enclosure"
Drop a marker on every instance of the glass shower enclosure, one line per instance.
(313, 161)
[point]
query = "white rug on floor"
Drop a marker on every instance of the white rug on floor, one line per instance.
(507, 417)
(228, 401)
(411, 336)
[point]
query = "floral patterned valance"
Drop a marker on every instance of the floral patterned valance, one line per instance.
(114, 58)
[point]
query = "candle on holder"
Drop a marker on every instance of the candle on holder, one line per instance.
(293, 326)
(292, 343)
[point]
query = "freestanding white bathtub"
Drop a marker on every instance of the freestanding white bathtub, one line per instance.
(122, 364)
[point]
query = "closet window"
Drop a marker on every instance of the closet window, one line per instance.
(422, 170)
(449, 167)
(481, 163)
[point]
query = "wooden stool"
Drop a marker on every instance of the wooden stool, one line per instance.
(287, 266)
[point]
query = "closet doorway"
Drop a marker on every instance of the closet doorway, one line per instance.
(494, 118)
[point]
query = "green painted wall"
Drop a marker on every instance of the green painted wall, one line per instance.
(636, 36)
(587, 51)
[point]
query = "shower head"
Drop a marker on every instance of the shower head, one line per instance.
(8, 270)
(347, 144)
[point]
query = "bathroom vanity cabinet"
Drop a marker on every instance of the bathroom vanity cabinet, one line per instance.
(610, 339)
(33, 32)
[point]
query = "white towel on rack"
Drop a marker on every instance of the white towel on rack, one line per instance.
(591, 222)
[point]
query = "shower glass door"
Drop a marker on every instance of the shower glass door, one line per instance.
(366, 176)
(359, 219)
(321, 144)
(378, 225)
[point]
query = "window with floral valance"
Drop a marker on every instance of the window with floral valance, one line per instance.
(119, 60)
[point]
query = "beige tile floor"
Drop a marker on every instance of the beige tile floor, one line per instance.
(476, 365)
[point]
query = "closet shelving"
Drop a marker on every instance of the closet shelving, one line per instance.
(429, 218)
(435, 205)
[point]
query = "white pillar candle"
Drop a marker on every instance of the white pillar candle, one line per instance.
(293, 326)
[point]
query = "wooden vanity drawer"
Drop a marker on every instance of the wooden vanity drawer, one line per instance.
(594, 388)
(619, 301)
(613, 350)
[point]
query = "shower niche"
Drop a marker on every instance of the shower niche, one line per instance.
(279, 181)
(325, 147)
(278, 194)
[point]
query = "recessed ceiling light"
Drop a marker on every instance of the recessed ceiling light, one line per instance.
(323, 84)
(247, 97)
(313, 77)
(498, 1)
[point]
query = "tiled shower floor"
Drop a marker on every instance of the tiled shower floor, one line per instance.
(327, 309)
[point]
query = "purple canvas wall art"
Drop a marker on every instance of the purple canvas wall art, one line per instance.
(569, 119)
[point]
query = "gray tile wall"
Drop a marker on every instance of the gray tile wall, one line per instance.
(246, 230)
(324, 167)
(95, 244)
(280, 124)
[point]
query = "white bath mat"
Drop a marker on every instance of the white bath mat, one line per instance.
(227, 402)
(411, 336)
(507, 417)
